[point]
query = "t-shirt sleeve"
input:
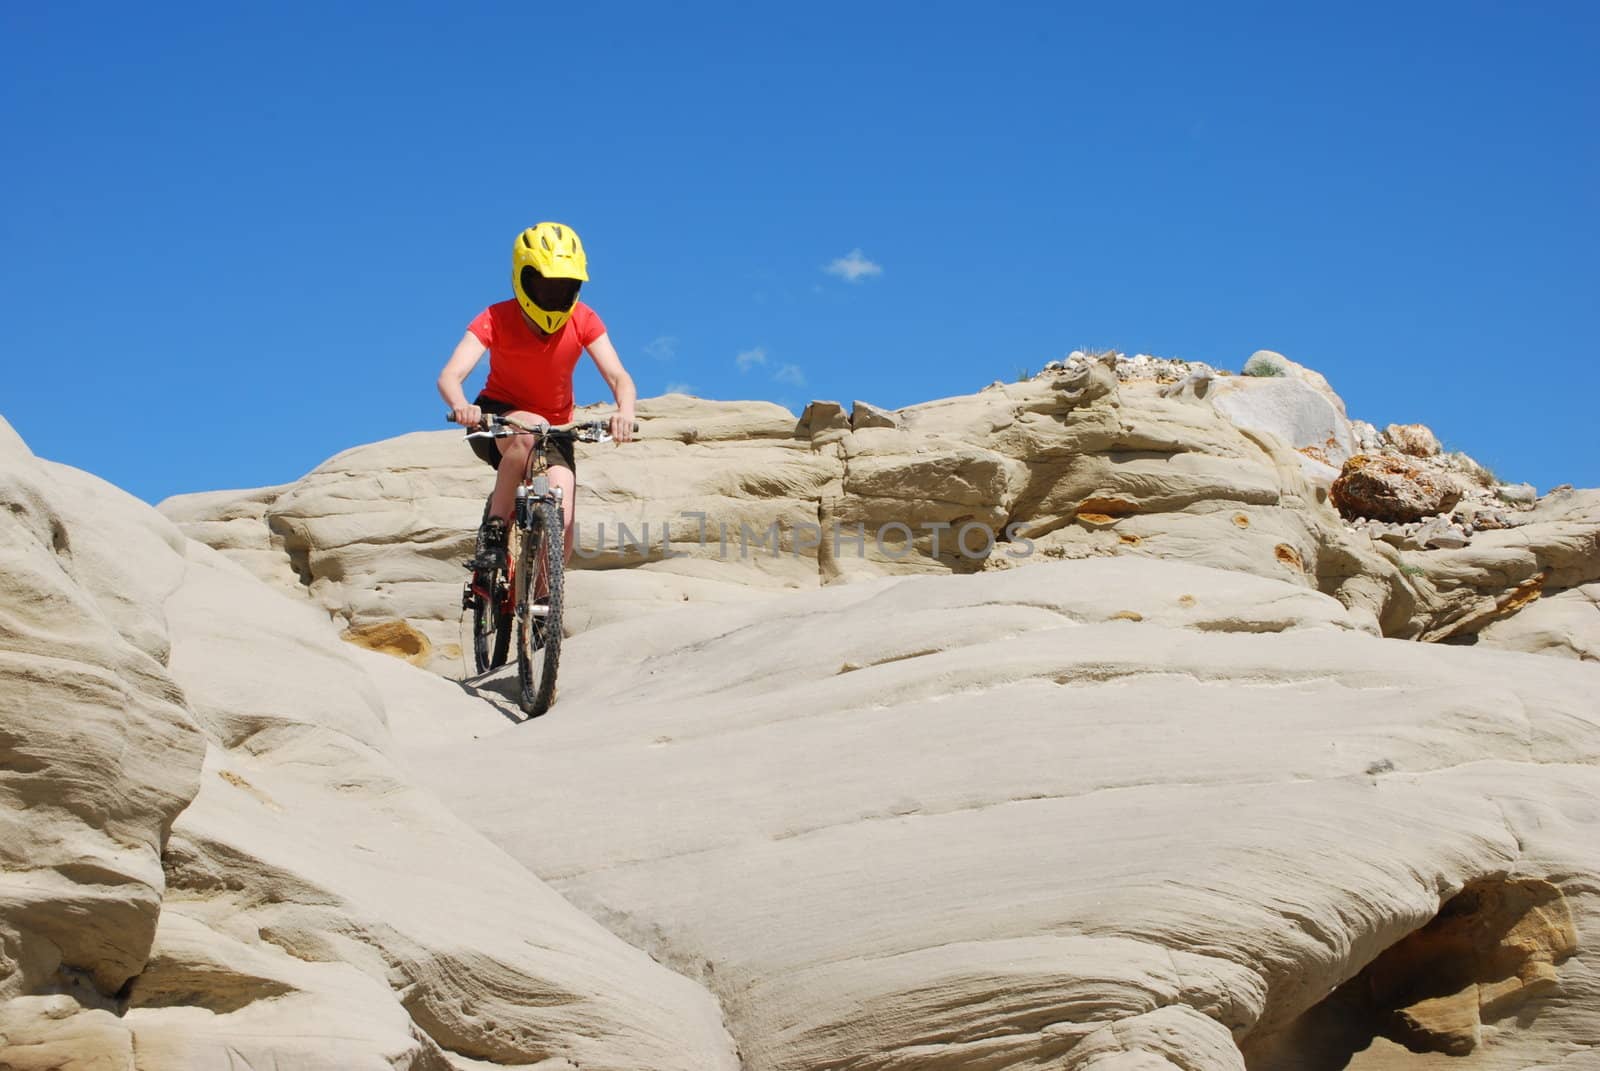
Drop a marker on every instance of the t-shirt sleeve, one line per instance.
(482, 327)
(590, 326)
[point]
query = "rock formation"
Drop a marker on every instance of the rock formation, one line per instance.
(1100, 814)
(1098, 749)
(1390, 489)
(212, 858)
(1096, 457)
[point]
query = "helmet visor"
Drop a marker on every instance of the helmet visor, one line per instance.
(551, 295)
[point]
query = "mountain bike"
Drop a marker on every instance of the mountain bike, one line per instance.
(528, 585)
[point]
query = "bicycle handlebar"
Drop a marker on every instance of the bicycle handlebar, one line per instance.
(495, 426)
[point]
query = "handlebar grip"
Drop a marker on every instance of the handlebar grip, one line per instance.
(489, 420)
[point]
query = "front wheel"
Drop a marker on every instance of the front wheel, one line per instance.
(539, 615)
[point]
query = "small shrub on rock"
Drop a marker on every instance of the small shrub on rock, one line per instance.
(1265, 363)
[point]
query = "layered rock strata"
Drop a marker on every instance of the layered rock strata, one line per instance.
(1103, 814)
(212, 858)
(1081, 809)
(1095, 457)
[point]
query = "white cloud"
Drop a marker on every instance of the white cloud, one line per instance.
(790, 373)
(662, 348)
(750, 358)
(854, 267)
(679, 388)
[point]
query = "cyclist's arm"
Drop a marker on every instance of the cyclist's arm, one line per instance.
(456, 370)
(605, 358)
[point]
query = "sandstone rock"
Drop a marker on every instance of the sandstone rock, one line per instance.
(1110, 812)
(238, 523)
(1266, 363)
(1088, 380)
(1557, 546)
(1438, 533)
(392, 637)
(1565, 623)
(1496, 949)
(1417, 440)
(1026, 825)
(1396, 535)
(760, 503)
(822, 417)
(98, 755)
(1390, 489)
(1518, 494)
(212, 856)
(953, 462)
(1319, 476)
(867, 415)
(682, 418)
(1483, 518)
(1291, 409)
(1196, 384)
(1367, 440)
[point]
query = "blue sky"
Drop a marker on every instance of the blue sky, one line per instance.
(238, 241)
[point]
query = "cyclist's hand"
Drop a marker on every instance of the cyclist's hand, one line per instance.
(468, 415)
(622, 427)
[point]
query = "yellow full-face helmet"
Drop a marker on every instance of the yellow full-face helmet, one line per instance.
(547, 268)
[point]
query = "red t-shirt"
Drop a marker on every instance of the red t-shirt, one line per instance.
(530, 370)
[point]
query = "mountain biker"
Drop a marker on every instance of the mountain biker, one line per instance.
(534, 342)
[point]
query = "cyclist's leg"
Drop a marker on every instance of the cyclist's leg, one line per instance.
(488, 548)
(514, 451)
(506, 478)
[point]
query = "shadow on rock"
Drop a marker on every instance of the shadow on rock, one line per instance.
(498, 688)
(1490, 954)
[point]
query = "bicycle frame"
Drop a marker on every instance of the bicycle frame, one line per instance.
(532, 569)
(534, 490)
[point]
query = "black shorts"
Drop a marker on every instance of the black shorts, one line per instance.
(488, 450)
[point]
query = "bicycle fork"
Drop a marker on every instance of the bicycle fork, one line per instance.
(529, 495)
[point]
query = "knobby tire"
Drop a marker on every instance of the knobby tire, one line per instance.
(542, 550)
(491, 620)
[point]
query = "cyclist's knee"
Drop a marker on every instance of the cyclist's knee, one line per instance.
(562, 477)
